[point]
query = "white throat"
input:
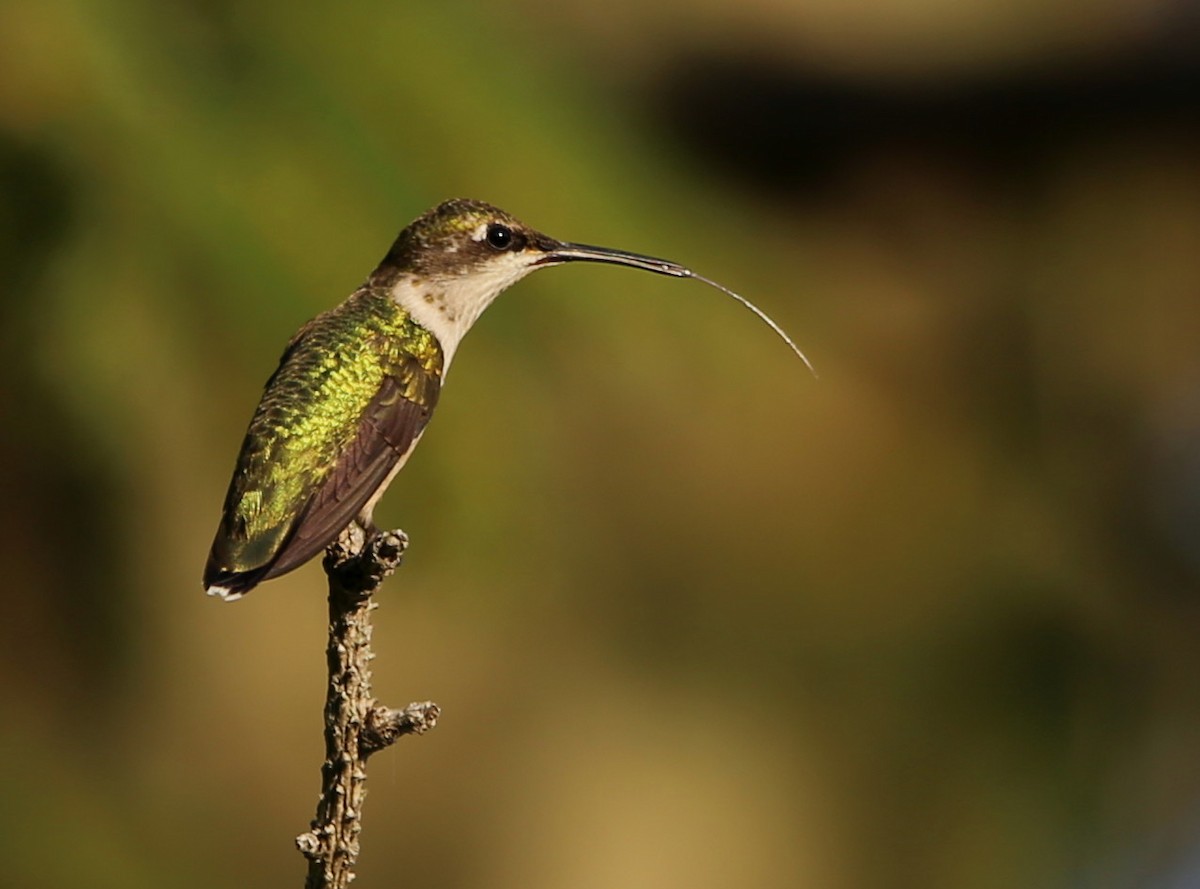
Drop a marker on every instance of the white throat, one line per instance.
(448, 306)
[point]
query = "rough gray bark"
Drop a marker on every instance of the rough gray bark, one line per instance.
(355, 724)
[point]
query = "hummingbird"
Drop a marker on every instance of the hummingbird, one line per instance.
(357, 385)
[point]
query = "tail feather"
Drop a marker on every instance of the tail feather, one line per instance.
(231, 585)
(224, 593)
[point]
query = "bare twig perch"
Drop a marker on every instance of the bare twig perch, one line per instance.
(355, 725)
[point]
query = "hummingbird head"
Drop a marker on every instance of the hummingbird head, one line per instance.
(448, 265)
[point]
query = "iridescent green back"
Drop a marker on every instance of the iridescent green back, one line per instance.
(352, 393)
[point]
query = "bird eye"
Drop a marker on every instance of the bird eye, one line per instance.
(499, 236)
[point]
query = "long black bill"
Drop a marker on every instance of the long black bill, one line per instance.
(588, 253)
(563, 252)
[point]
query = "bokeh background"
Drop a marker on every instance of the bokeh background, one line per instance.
(695, 619)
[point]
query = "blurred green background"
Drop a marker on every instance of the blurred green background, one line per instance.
(695, 619)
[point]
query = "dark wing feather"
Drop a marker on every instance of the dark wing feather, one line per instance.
(390, 426)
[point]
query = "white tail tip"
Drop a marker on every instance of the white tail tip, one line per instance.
(223, 593)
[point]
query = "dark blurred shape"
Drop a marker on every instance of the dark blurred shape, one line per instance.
(59, 544)
(1168, 472)
(793, 134)
(788, 131)
(34, 216)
